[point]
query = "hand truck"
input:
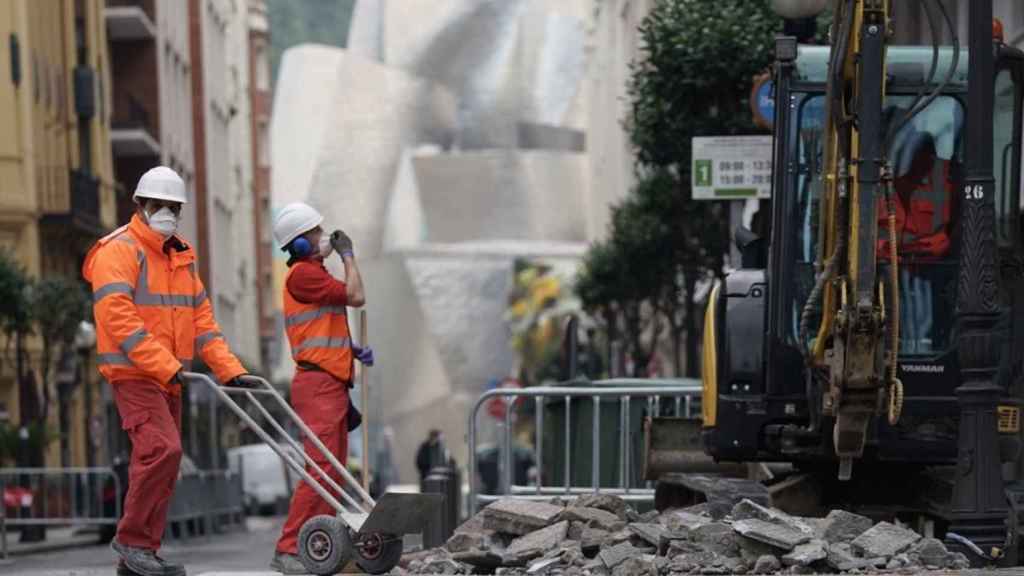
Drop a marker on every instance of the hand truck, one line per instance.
(363, 530)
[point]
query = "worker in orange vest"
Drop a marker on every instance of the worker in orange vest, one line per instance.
(923, 207)
(152, 316)
(316, 323)
(923, 202)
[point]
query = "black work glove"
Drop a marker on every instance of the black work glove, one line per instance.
(341, 243)
(241, 382)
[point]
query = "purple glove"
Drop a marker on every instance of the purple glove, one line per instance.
(364, 355)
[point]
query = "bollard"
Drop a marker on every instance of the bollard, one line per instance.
(440, 528)
(3, 524)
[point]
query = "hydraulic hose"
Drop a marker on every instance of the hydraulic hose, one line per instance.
(894, 384)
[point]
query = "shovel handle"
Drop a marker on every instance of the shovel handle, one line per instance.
(364, 403)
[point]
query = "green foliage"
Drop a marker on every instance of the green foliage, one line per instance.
(59, 305)
(298, 21)
(15, 312)
(697, 62)
(698, 58)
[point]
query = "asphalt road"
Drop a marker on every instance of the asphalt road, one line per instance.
(235, 553)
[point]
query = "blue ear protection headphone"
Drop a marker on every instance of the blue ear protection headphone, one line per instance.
(300, 247)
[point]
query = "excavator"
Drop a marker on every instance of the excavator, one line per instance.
(873, 338)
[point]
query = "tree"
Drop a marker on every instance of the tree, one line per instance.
(59, 306)
(693, 78)
(15, 322)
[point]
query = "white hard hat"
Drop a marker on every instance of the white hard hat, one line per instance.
(161, 183)
(294, 220)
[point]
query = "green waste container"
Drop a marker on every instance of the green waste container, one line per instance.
(581, 429)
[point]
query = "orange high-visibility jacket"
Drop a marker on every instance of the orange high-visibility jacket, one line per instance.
(152, 312)
(924, 229)
(318, 334)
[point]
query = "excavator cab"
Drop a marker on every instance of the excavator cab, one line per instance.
(762, 399)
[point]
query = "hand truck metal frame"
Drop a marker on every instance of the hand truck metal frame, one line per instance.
(367, 531)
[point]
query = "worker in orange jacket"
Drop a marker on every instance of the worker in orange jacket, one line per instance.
(316, 322)
(923, 207)
(152, 315)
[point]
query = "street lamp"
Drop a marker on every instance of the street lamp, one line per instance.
(797, 9)
(85, 340)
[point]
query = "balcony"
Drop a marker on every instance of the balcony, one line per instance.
(77, 204)
(131, 130)
(129, 20)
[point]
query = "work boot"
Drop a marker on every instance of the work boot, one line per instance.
(287, 564)
(144, 562)
(123, 570)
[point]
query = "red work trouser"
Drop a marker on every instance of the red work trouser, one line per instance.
(322, 402)
(152, 418)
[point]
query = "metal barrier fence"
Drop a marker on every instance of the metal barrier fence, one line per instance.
(206, 501)
(92, 497)
(682, 402)
(58, 497)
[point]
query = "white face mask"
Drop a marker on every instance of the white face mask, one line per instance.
(325, 246)
(163, 222)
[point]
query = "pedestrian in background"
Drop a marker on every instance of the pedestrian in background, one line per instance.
(316, 322)
(430, 455)
(152, 316)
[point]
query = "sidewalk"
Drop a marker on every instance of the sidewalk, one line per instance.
(57, 539)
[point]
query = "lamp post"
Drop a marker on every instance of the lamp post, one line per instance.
(85, 340)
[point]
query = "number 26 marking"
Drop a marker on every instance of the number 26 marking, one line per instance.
(974, 192)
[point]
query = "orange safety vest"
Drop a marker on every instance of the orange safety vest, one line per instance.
(318, 334)
(152, 311)
(923, 231)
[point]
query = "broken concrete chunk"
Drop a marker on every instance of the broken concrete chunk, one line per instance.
(767, 564)
(717, 537)
(618, 554)
(930, 552)
(649, 516)
(747, 509)
(519, 517)
(653, 534)
(446, 566)
(541, 565)
(593, 517)
(806, 554)
(636, 566)
(530, 546)
(681, 521)
(486, 559)
(843, 526)
(839, 554)
(691, 560)
(957, 561)
(464, 541)
(751, 550)
(605, 502)
(778, 535)
(884, 539)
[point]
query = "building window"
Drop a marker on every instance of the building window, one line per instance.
(264, 144)
(262, 69)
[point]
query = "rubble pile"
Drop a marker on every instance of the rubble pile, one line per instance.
(600, 535)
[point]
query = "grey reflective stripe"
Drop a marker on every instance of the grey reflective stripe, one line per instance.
(322, 342)
(200, 299)
(114, 359)
(143, 297)
(112, 288)
(203, 340)
(310, 315)
(134, 340)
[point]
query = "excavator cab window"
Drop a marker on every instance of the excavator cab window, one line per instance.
(1004, 154)
(927, 160)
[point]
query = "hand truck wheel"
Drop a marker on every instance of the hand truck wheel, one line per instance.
(378, 553)
(324, 545)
